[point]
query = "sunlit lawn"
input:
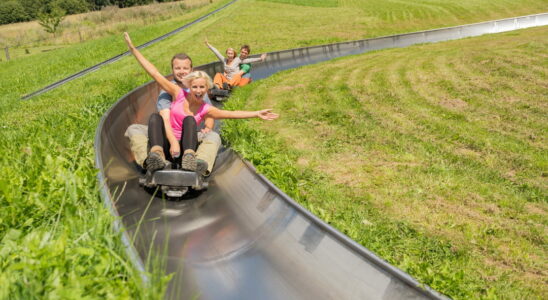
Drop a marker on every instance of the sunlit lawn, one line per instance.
(432, 156)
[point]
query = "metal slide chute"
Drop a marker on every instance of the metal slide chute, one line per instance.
(243, 238)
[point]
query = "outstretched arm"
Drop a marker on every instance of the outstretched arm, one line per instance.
(215, 51)
(256, 59)
(265, 114)
(169, 87)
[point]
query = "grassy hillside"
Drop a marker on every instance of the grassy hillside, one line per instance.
(30, 38)
(241, 23)
(57, 240)
(433, 156)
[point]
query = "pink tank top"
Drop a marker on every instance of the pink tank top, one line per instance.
(177, 114)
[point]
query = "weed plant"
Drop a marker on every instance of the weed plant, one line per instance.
(434, 157)
(57, 239)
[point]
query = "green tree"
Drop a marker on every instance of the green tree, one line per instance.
(72, 6)
(128, 3)
(50, 18)
(98, 4)
(34, 7)
(11, 12)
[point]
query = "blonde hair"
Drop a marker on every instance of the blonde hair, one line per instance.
(233, 51)
(199, 74)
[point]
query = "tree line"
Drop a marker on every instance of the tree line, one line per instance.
(13, 11)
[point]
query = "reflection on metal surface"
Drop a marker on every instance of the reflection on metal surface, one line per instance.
(311, 238)
(243, 238)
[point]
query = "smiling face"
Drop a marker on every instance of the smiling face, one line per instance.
(243, 54)
(230, 53)
(198, 88)
(181, 68)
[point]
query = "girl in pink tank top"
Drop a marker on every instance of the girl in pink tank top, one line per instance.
(178, 114)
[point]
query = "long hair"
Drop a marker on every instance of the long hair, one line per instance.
(233, 51)
(199, 74)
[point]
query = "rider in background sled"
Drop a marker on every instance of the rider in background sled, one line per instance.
(232, 75)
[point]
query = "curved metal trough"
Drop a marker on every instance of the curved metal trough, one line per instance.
(243, 238)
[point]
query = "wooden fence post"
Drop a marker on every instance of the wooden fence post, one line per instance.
(7, 53)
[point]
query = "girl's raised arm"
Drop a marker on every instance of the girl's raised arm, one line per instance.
(265, 114)
(215, 51)
(168, 86)
(252, 60)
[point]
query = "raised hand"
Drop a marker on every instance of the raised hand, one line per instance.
(128, 41)
(267, 114)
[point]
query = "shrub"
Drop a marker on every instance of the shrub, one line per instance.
(34, 7)
(128, 3)
(72, 6)
(51, 19)
(11, 12)
(98, 4)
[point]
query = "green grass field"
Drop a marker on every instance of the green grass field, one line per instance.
(480, 151)
(432, 156)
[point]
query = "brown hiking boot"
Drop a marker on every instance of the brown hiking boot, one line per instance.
(189, 161)
(201, 167)
(154, 162)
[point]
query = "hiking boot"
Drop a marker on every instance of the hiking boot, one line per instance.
(201, 167)
(189, 161)
(154, 162)
(218, 92)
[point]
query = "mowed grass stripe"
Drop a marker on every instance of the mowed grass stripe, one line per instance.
(440, 190)
(478, 113)
(521, 133)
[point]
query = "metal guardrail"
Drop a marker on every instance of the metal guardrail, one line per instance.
(244, 238)
(119, 56)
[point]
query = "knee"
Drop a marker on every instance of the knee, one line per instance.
(155, 119)
(189, 121)
(212, 137)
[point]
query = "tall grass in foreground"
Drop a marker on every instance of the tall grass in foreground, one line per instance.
(433, 156)
(56, 238)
